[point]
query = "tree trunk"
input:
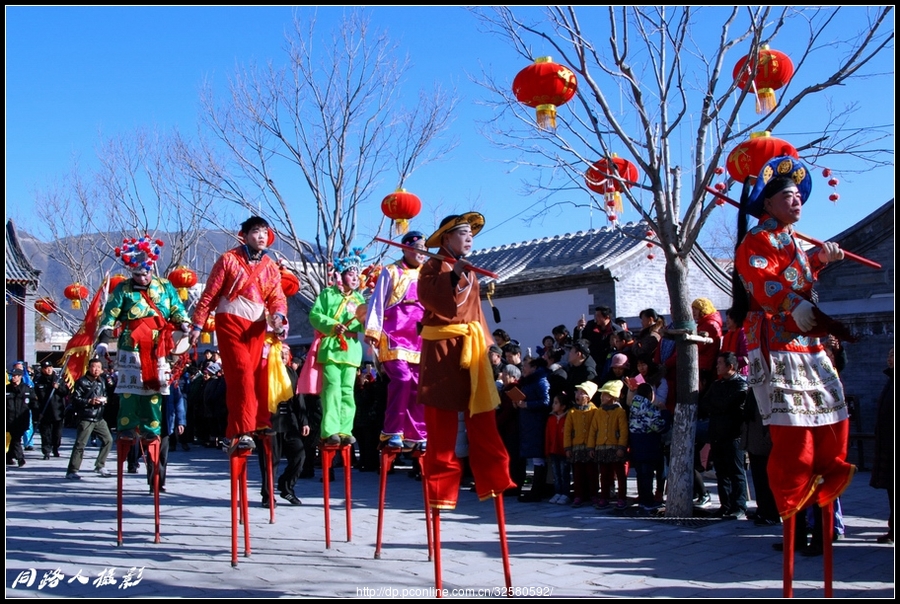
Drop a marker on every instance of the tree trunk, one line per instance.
(679, 503)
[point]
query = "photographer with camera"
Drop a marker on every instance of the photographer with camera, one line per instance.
(89, 398)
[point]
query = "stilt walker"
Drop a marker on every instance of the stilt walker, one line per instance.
(799, 393)
(149, 311)
(456, 376)
(337, 315)
(392, 328)
(244, 289)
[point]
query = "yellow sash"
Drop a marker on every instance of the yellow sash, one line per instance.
(484, 396)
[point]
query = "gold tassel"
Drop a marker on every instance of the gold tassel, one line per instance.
(205, 337)
(546, 117)
(766, 101)
(76, 304)
(401, 226)
(183, 293)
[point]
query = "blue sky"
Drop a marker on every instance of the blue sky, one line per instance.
(76, 74)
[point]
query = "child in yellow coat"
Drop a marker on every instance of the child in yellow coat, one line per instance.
(608, 443)
(575, 441)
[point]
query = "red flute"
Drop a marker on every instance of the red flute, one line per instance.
(471, 267)
(847, 255)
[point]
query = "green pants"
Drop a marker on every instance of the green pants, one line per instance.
(82, 435)
(142, 413)
(338, 402)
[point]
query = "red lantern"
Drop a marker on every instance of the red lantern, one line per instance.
(834, 197)
(401, 206)
(834, 182)
(545, 85)
(774, 70)
(749, 157)
(76, 292)
(183, 278)
(45, 306)
(290, 283)
(208, 328)
(610, 179)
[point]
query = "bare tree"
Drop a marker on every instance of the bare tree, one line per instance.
(138, 188)
(651, 78)
(308, 145)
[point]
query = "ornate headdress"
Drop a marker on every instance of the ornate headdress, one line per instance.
(787, 166)
(139, 254)
(353, 260)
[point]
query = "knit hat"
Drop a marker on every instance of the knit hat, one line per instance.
(590, 388)
(704, 306)
(619, 360)
(411, 237)
(612, 388)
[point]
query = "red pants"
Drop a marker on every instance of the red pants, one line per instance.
(246, 381)
(487, 457)
(808, 464)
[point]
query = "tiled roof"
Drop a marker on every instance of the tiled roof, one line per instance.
(571, 254)
(18, 268)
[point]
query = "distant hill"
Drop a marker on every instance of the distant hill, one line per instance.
(209, 245)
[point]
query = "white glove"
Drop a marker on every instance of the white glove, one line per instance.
(101, 350)
(803, 316)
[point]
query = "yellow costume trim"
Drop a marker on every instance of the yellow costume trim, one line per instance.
(483, 395)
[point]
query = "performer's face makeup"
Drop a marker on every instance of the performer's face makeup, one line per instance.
(785, 206)
(350, 279)
(412, 258)
(459, 241)
(257, 238)
(142, 278)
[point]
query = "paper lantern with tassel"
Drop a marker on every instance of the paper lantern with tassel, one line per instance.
(76, 292)
(183, 279)
(545, 85)
(773, 71)
(45, 306)
(208, 328)
(601, 178)
(749, 157)
(401, 206)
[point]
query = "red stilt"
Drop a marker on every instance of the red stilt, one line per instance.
(827, 549)
(122, 446)
(238, 463)
(270, 463)
(789, 525)
(386, 458)
(420, 456)
(327, 452)
(348, 498)
(504, 547)
(436, 522)
(152, 448)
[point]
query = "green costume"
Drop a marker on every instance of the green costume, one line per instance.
(340, 357)
(147, 316)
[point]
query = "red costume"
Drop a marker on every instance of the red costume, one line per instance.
(241, 292)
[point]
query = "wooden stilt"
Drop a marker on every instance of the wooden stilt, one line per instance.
(348, 497)
(239, 505)
(328, 452)
(436, 523)
(386, 458)
(504, 547)
(123, 445)
(270, 465)
(152, 448)
(789, 526)
(827, 547)
(419, 455)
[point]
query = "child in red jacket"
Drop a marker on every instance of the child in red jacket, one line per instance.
(554, 447)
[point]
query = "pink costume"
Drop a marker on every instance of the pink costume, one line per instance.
(394, 312)
(241, 293)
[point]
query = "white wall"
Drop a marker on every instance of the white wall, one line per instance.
(529, 318)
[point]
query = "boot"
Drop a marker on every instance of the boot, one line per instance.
(538, 486)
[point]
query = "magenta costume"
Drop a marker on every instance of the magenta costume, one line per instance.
(394, 312)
